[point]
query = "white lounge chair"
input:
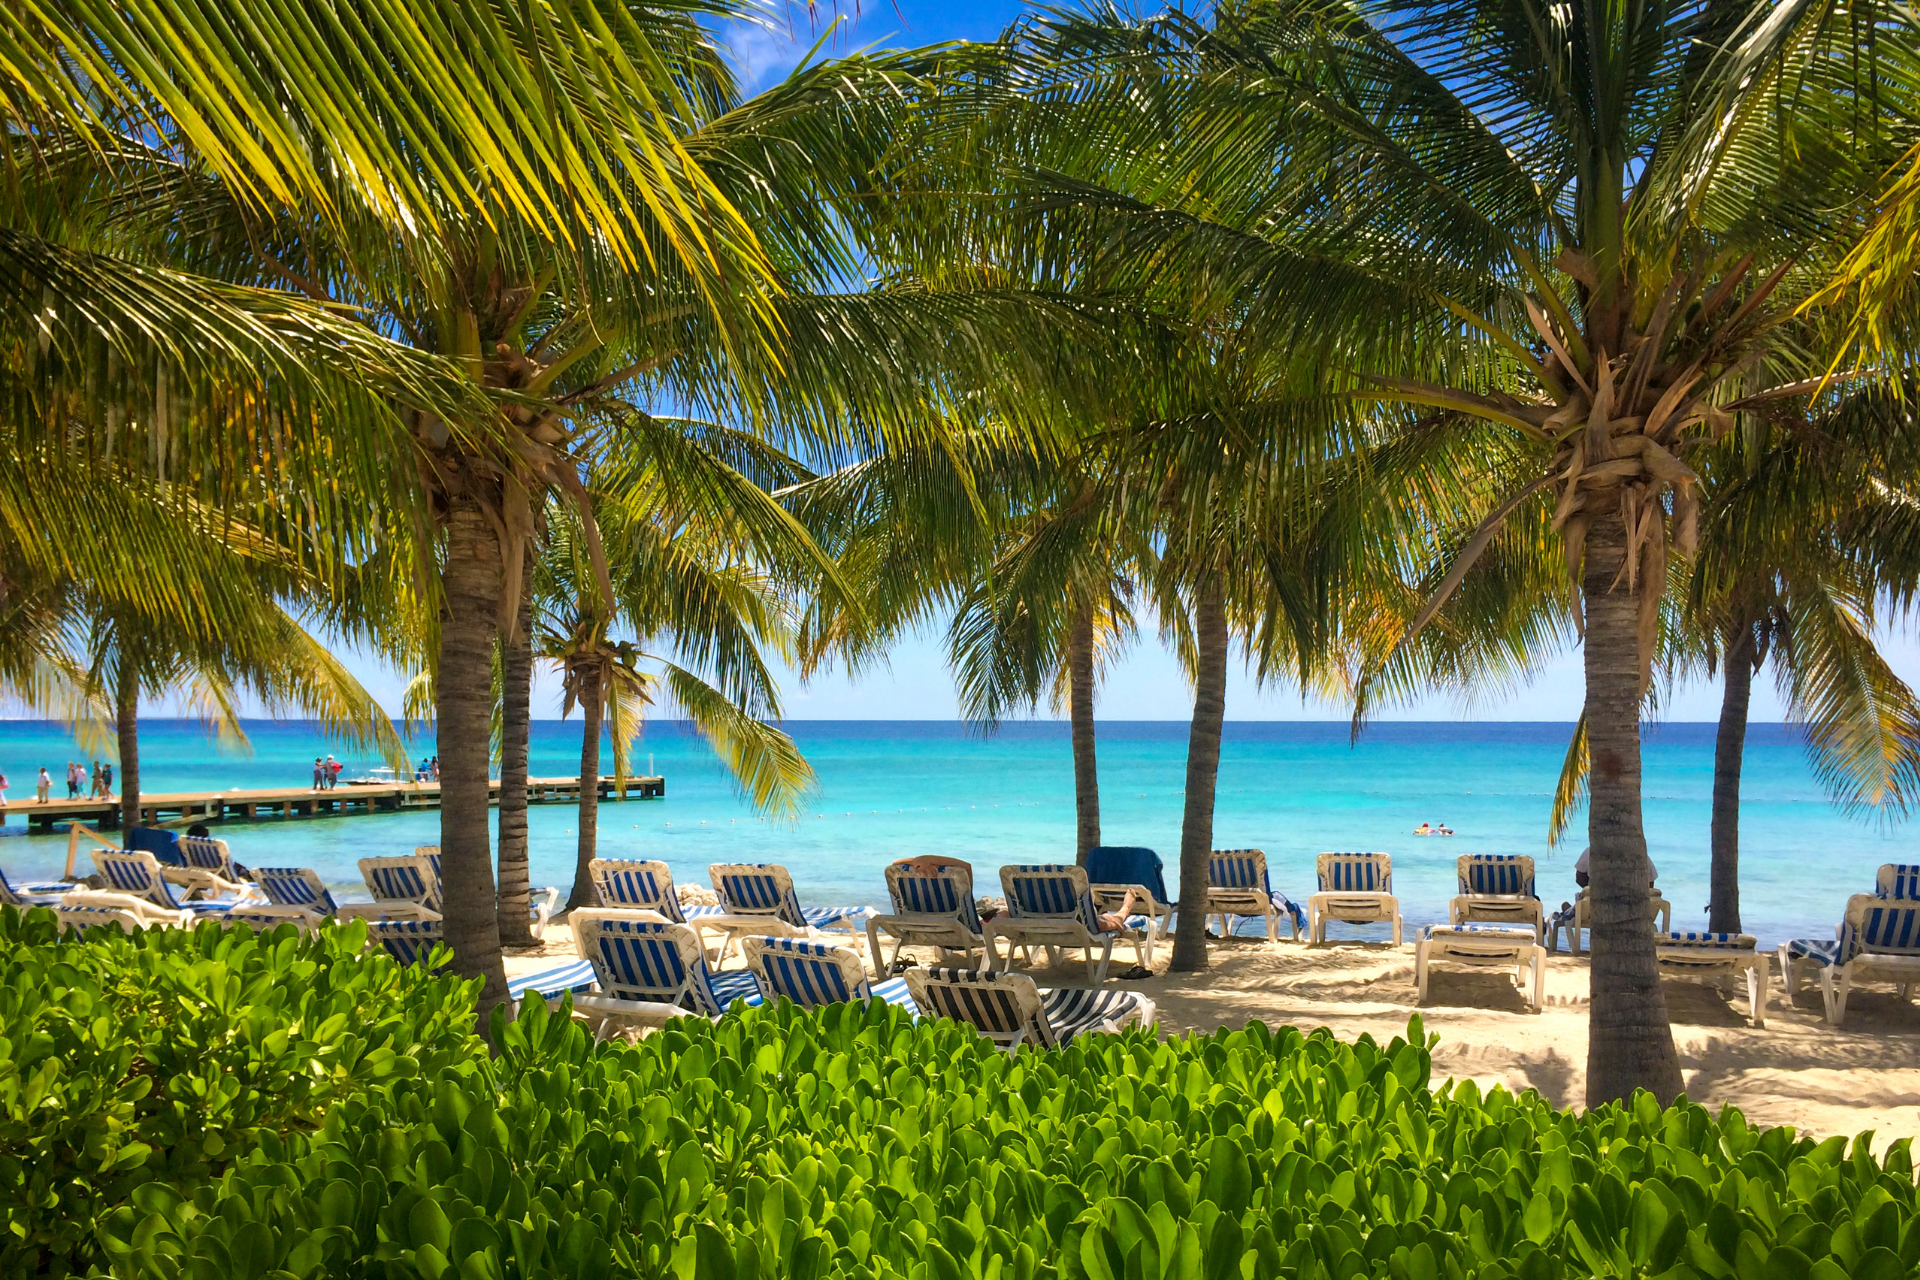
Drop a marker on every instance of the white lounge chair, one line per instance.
(1050, 905)
(648, 886)
(1011, 1011)
(33, 895)
(1720, 957)
(301, 887)
(413, 941)
(1483, 946)
(1898, 880)
(644, 965)
(540, 902)
(262, 917)
(406, 878)
(82, 916)
(930, 909)
(133, 876)
(1879, 942)
(766, 889)
(812, 974)
(1355, 888)
(1576, 918)
(1238, 885)
(1497, 888)
(1116, 871)
(208, 869)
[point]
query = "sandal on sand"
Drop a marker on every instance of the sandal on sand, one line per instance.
(900, 966)
(1136, 973)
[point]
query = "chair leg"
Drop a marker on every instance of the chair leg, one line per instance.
(1420, 972)
(1539, 979)
(1757, 993)
(1106, 959)
(1829, 997)
(1397, 924)
(1844, 987)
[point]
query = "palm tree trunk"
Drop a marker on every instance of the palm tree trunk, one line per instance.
(126, 723)
(516, 724)
(1203, 772)
(1629, 1044)
(1723, 910)
(1086, 773)
(465, 708)
(592, 707)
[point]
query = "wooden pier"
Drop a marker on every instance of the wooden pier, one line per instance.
(302, 802)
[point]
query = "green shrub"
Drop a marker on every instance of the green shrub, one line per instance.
(854, 1143)
(162, 1058)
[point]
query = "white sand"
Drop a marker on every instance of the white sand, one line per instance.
(1798, 1071)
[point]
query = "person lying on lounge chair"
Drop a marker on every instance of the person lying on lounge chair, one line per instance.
(1116, 920)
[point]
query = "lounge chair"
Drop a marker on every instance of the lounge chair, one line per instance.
(648, 886)
(1577, 917)
(930, 909)
(1355, 888)
(1237, 885)
(1483, 946)
(33, 895)
(1497, 888)
(413, 941)
(82, 916)
(1011, 1011)
(1051, 906)
(135, 876)
(766, 889)
(1879, 941)
(411, 878)
(541, 903)
(812, 974)
(643, 962)
(1898, 880)
(1115, 870)
(1721, 957)
(303, 888)
(207, 867)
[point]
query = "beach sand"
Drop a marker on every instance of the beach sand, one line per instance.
(1798, 1071)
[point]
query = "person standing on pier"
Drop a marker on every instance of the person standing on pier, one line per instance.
(73, 781)
(43, 787)
(3, 795)
(106, 779)
(319, 771)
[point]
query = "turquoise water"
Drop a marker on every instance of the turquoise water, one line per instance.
(889, 789)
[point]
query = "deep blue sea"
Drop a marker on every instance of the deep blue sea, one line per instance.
(892, 788)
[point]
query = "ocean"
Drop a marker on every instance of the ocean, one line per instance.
(888, 789)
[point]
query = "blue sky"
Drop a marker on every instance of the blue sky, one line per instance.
(763, 52)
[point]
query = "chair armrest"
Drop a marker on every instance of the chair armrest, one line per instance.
(390, 909)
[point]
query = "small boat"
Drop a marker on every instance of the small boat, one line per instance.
(380, 777)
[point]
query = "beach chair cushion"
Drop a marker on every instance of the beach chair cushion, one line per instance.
(81, 917)
(138, 874)
(1232, 872)
(766, 888)
(1495, 874)
(1898, 880)
(295, 887)
(812, 974)
(1701, 941)
(1010, 1008)
(408, 941)
(204, 854)
(262, 916)
(576, 976)
(641, 955)
(946, 892)
(640, 885)
(1051, 891)
(1355, 872)
(32, 895)
(412, 878)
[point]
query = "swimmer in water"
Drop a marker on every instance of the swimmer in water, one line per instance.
(1424, 829)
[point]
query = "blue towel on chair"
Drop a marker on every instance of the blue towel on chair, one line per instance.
(1128, 864)
(163, 845)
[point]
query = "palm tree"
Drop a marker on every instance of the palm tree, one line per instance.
(516, 729)
(1572, 254)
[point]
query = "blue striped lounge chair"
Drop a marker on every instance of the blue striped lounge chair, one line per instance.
(540, 902)
(1879, 941)
(1898, 880)
(648, 886)
(1484, 946)
(263, 917)
(1721, 957)
(413, 941)
(1051, 906)
(647, 966)
(933, 906)
(206, 867)
(1355, 888)
(33, 895)
(408, 878)
(1011, 1011)
(1576, 917)
(303, 888)
(1238, 885)
(135, 875)
(811, 974)
(1497, 888)
(766, 889)
(1114, 871)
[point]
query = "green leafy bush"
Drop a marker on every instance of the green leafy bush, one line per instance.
(163, 1058)
(853, 1143)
